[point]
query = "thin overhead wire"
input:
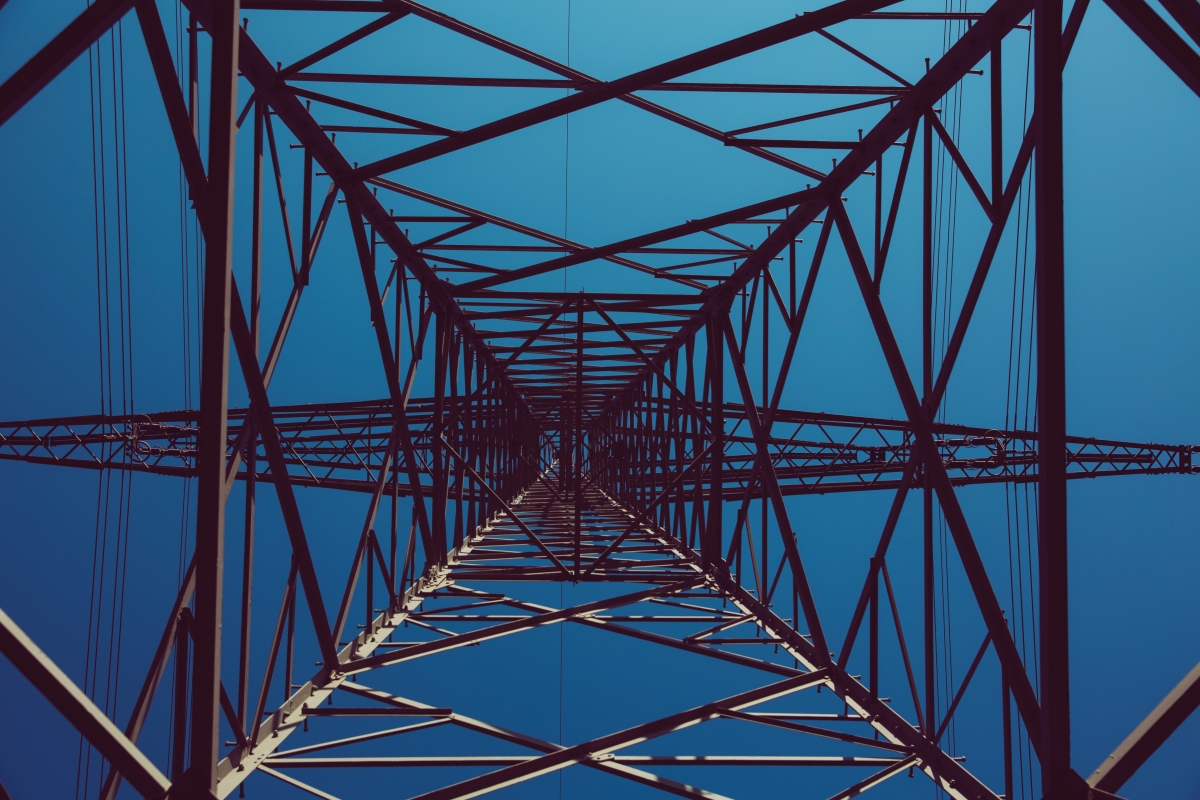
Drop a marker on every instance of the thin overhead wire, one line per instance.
(115, 341)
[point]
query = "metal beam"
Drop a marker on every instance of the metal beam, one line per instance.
(711, 56)
(73, 704)
(942, 75)
(223, 27)
(972, 562)
(1149, 735)
(32, 76)
(174, 105)
(261, 407)
(525, 770)
(1161, 38)
(514, 626)
(158, 666)
(1055, 751)
(766, 471)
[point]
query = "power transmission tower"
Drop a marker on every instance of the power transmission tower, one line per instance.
(638, 441)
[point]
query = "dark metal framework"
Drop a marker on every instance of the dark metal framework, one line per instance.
(623, 438)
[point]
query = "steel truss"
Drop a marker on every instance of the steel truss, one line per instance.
(593, 437)
(344, 445)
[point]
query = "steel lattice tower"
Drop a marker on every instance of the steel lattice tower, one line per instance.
(638, 441)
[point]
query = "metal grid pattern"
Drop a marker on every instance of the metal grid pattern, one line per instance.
(595, 436)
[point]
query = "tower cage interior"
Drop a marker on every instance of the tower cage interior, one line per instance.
(580, 399)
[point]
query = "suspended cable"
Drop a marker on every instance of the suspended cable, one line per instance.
(945, 224)
(110, 559)
(126, 322)
(190, 244)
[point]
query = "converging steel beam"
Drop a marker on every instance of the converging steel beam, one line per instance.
(948, 773)
(1155, 729)
(34, 74)
(158, 667)
(73, 704)
(391, 374)
(258, 70)
(175, 107)
(269, 436)
(518, 773)
(214, 383)
(637, 242)
(744, 45)
(1055, 751)
(521, 739)
(766, 472)
(516, 626)
(972, 562)
(1161, 38)
(512, 515)
(974, 44)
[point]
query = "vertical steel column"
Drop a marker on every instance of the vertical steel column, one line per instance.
(764, 398)
(490, 431)
(578, 423)
(624, 465)
(306, 218)
(179, 729)
(792, 278)
(997, 103)
(670, 421)
(710, 549)
(194, 74)
(637, 474)
(873, 654)
(251, 457)
(878, 220)
(697, 443)
(370, 588)
(455, 342)
(680, 529)
(437, 459)
(618, 445)
(479, 425)
(289, 652)
(214, 380)
(566, 442)
(997, 113)
(1007, 726)
(467, 417)
(633, 450)
(649, 427)
(666, 448)
(512, 432)
(1051, 397)
(652, 429)
(637, 466)
(401, 286)
(927, 390)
